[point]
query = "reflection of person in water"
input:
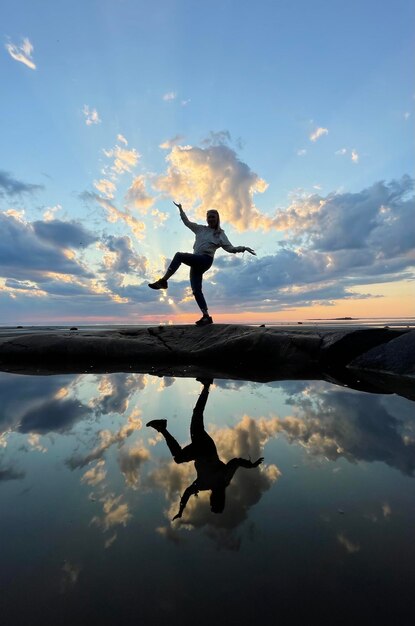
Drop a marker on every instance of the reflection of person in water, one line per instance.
(212, 473)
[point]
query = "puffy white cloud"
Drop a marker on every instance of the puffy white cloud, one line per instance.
(214, 177)
(22, 52)
(137, 196)
(355, 156)
(123, 160)
(106, 187)
(317, 133)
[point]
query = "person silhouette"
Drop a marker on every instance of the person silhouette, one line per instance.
(212, 473)
(208, 239)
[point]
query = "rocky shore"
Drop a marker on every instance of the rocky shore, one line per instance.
(379, 360)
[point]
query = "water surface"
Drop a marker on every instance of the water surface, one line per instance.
(324, 526)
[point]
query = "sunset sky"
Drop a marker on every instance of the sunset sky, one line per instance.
(295, 119)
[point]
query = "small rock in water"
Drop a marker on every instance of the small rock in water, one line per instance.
(73, 328)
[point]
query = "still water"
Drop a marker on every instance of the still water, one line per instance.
(323, 528)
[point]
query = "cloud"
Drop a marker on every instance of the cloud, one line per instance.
(169, 143)
(122, 139)
(344, 221)
(54, 415)
(123, 160)
(67, 234)
(49, 213)
(350, 546)
(106, 439)
(95, 475)
(106, 187)
(130, 461)
(34, 442)
(91, 116)
(24, 254)
(137, 197)
(116, 513)
(114, 215)
(302, 152)
(357, 427)
(214, 177)
(12, 187)
(70, 575)
(317, 133)
(341, 152)
(355, 156)
(170, 95)
(10, 473)
(22, 52)
(122, 257)
(21, 394)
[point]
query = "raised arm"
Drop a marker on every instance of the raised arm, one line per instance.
(190, 491)
(192, 225)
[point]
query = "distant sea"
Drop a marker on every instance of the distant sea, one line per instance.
(375, 322)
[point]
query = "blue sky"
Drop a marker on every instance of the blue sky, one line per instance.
(294, 119)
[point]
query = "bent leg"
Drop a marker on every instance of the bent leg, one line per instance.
(175, 263)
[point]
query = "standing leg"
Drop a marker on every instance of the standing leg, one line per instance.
(202, 442)
(196, 276)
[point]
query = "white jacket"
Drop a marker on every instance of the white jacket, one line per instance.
(207, 239)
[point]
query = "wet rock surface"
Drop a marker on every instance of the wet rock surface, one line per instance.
(362, 358)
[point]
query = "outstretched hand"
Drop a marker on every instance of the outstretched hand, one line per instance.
(258, 462)
(179, 206)
(176, 516)
(250, 251)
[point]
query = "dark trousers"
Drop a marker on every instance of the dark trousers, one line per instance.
(199, 264)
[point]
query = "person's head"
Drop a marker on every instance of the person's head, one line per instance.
(213, 219)
(217, 500)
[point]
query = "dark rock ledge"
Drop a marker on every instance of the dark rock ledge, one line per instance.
(380, 360)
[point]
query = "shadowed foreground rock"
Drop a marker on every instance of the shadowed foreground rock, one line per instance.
(221, 351)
